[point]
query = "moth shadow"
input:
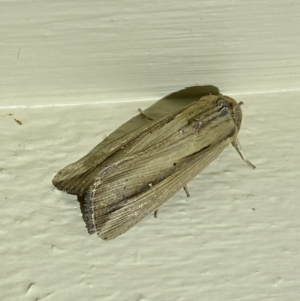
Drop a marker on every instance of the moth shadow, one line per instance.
(180, 99)
(168, 104)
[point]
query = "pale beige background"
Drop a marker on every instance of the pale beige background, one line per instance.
(74, 71)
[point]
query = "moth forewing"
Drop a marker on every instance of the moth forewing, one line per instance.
(77, 177)
(110, 221)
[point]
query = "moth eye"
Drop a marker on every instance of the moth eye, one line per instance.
(174, 164)
(224, 111)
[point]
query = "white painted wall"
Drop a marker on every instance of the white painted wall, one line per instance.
(74, 71)
(65, 52)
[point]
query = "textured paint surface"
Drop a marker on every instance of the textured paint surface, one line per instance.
(235, 238)
(64, 52)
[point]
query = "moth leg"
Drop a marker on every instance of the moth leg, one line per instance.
(144, 114)
(187, 194)
(238, 148)
(186, 191)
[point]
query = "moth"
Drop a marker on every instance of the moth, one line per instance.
(134, 175)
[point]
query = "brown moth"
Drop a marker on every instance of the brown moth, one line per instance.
(133, 176)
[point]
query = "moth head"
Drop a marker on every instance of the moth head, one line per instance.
(237, 114)
(236, 111)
